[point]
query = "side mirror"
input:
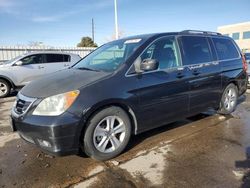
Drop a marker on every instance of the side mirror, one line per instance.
(18, 63)
(149, 65)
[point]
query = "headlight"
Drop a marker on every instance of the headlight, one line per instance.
(56, 105)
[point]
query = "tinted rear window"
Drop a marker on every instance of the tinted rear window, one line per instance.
(225, 49)
(53, 58)
(195, 50)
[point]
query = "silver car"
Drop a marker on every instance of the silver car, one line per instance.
(18, 72)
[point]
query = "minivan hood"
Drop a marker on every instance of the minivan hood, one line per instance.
(61, 82)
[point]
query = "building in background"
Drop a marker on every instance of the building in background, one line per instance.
(239, 32)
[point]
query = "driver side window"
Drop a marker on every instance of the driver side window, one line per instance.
(164, 51)
(32, 59)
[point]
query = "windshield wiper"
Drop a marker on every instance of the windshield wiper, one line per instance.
(85, 68)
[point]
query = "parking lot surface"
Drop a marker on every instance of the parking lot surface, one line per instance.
(207, 150)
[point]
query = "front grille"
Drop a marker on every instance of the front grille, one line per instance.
(23, 103)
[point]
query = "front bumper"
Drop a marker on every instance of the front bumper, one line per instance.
(55, 135)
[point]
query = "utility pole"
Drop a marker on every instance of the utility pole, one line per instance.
(93, 30)
(116, 21)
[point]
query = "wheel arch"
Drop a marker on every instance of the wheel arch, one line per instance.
(231, 82)
(225, 86)
(127, 108)
(12, 85)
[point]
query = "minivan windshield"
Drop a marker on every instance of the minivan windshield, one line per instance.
(109, 56)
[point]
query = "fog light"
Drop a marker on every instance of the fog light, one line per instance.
(44, 143)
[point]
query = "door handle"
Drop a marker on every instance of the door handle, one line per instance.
(40, 67)
(66, 65)
(196, 72)
(180, 75)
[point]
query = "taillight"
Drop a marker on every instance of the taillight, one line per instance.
(244, 62)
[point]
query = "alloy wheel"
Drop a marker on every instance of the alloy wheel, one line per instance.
(230, 99)
(109, 134)
(3, 89)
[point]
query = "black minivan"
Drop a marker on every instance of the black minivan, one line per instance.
(129, 86)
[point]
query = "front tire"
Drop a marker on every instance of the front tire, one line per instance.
(107, 134)
(4, 88)
(228, 100)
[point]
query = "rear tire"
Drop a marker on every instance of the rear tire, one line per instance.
(107, 134)
(4, 88)
(229, 100)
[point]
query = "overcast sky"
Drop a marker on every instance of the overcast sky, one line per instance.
(64, 22)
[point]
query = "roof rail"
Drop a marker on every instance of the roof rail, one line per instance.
(200, 32)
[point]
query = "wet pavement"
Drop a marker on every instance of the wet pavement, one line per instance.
(207, 150)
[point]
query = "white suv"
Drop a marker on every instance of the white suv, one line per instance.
(23, 69)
